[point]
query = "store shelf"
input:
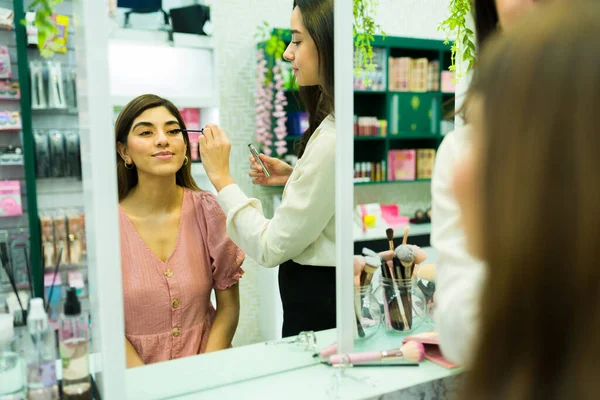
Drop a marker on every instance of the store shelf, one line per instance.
(390, 182)
(415, 135)
(368, 138)
(370, 91)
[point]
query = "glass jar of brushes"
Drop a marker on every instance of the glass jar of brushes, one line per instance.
(367, 311)
(404, 308)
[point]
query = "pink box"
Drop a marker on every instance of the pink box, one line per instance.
(448, 82)
(191, 117)
(10, 199)
(402, 165)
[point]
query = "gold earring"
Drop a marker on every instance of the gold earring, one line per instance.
(186, 161)
(128, 166)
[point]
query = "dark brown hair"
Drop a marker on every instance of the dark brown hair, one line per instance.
(128, 178)
(317, 16)
(486, 20)
(540, 305)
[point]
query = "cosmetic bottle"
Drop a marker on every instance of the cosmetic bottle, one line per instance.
(12, 377)
(41, 358)
(73, 345)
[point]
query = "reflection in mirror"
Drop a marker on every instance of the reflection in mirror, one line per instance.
(219, 248)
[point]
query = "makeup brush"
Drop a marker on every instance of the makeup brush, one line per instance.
(374, 364)
(389, 232)
(29, 278)
(327, 351)
(410, 351)
(405, 238)
(13, 284)
(53, 280)
(369, 252)
(369, 269)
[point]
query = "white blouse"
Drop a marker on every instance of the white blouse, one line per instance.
(303, 226)
(459, 276)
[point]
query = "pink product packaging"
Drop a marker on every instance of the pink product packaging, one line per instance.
(10, 199)
(5, 69)
(402, 165)
(448, 85)
(191, 117)
(194, 149)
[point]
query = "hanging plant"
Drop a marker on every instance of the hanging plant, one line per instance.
(274, 43)
(45, 25)
(279, 113)
(456, 26)
(365, 30)
(264, 104)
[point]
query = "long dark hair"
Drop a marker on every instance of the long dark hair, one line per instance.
(128, 178)
(317, 16)
(540, 305)
(486, 19)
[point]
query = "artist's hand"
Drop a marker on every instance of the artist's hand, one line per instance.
(280, 171)
(214, 152)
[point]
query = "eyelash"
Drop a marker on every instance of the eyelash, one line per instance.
(295, 43)
(172, 132)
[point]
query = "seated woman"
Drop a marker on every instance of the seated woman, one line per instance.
(174, 245)
(529, 190)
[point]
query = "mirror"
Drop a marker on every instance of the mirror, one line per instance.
(214, 77)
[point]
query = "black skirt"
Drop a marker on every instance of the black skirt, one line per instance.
(308, 297)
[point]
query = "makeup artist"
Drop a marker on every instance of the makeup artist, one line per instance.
(459, 276)
(300, 237)
(174, 245)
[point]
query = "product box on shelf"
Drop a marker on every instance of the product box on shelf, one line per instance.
(10, 199)
(375, 80)
(369, 126)
(10, 121)
(5, 68)
(448, 85)
(401, 165)
(9, 90)
(63, 232)
(425, 162)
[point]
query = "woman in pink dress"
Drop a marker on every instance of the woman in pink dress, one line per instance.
(174, 245)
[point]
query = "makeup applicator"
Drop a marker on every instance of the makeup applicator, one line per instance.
(410, 351)
(371, 264)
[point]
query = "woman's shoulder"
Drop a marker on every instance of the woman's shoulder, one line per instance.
(203, 201)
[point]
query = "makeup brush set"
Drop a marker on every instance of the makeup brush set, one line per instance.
(398, 266)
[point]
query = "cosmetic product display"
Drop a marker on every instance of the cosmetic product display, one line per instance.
(63, 230)
(9, 90)
(57, 153)
(375, 80)
(413, 75)
(74, 347)
(5, 67)
(10, 199)
(56, 89)
(72, 154)
(41, 359)
(38, 92)
(11, 155)
(71, 90)
(10, 121)
(369, 171)
(370, 126)
(12, 366)
(425, 161)
(7, 17)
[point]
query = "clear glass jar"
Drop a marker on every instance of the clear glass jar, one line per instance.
(404, 308)
(368, 312)
(425, 290)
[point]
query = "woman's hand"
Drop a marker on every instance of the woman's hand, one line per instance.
(280, 171)
(214, 152)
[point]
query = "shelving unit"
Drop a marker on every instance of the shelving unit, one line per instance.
(414, 118)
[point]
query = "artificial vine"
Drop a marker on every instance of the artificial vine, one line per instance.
(365, 29)
(456, 26)
(274, 44)
(44, 11)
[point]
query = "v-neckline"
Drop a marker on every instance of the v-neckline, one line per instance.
(139, 237)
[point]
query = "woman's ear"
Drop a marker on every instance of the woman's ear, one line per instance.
(122, 150)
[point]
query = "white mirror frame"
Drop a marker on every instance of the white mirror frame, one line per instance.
(181, 376)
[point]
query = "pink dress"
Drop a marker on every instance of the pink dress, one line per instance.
(168, 312)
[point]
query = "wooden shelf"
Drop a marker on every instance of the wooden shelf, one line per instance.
(361, 138)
